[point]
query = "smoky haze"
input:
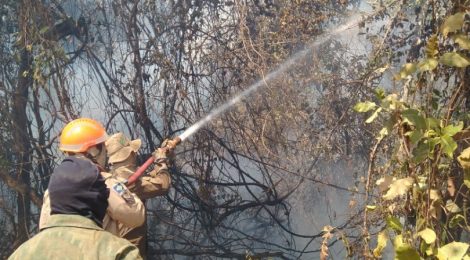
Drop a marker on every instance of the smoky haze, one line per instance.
(261, 94)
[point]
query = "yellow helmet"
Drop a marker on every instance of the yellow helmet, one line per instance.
(81, 134)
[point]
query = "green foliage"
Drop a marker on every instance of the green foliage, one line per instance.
(467, 178)
(454, 250)
(462, 40)
(428, 235)
(453, 23)
(374, 115)
(407, 70)
(448, 145)
(432, 47)
(414, 118)
(464, 159)
(421, 130)
(427, 64)
(394, 224)
(404, 251)
(451, 130)
(454, 59)
(456, 220)
(363, 107)
(382, 239)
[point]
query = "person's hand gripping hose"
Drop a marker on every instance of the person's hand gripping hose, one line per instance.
(161, 155)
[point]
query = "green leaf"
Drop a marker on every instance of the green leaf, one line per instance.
(363, 107)
(451, 130)
(456, 220)
(420, 152)
(432, 142)
(453, 23)
(420, 222)
(371, 207)
(406, 252)
(391, 102)
(387, 129)
(432, 47)
(394, 224)
(427, 64)
(454, 59)
(383, 132)
(382, 238)
(432, 123)
(415, 136)
(448, 145)
(466, 179)
(379, 93)
(407, 70)
(454, 250)
(403, 251)
(435, 195)
(398, 188)
(374, 115)
(43, 29)
(430, 250)
(428, 235)
(413, 117)
(464, 158)
(452, 207)
(462, 40)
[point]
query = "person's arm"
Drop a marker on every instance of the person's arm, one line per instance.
(129, 252)
(124, 206)
(157, 183)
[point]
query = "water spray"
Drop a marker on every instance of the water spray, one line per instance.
(270, 76)
(354, 21)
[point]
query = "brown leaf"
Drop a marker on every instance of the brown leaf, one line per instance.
(324, 251)
(352, 203)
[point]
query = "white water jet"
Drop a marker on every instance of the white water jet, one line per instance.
(354, 21)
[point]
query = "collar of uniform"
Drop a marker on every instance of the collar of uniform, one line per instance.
(66, 220)
(82, 156)
(106, 175)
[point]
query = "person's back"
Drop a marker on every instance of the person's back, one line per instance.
(79, 199)
(122, 156)
(75, 237)
(84, 139)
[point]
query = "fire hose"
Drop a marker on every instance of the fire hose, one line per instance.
(170, 145)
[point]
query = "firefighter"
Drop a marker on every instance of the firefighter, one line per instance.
(122, 154)
(84, 138)
(78, 201)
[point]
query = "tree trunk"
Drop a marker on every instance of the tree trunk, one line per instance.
(21, 142)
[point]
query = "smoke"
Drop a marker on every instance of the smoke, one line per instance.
(285, 66)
